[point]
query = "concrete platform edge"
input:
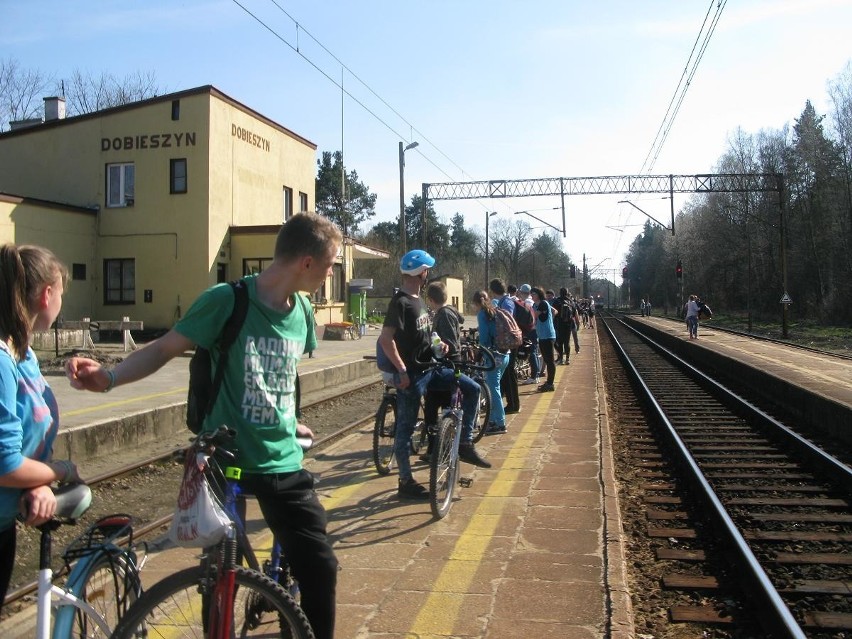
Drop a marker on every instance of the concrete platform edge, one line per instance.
(620, 614)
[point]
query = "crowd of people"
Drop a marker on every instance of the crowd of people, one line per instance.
(276, 327)
(548, 325)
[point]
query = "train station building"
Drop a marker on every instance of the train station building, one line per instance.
(152, 202)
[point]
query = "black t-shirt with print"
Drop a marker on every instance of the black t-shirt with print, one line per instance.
(407, 314)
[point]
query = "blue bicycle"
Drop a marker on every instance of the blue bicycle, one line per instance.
(104, 576)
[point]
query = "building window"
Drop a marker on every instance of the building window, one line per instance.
(303, 202)
(337, 283)
(288, 203)
(175, 109)
(120, 281)
(254, 265)
(121, 180)
(78, 271)
(177, 175)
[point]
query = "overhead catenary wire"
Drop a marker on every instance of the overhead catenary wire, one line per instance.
(699, 47)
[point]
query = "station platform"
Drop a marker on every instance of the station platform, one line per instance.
(531, 548)
(814, 385)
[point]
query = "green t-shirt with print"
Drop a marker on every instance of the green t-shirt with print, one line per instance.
(258, 393)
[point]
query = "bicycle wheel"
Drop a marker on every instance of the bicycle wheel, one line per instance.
(443, 468)
(172, 608)
(110, 585)
(420, 437)
(483, 414)
(384, 433)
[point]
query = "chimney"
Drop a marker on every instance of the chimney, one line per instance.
(54, 109)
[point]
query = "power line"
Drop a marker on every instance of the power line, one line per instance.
(296, 49)
(683, 84)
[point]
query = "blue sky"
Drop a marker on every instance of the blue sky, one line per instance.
(490, 89)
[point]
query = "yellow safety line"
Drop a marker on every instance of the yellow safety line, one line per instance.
(441, 609)
(124, 402)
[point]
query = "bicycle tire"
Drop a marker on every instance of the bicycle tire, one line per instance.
(483, 413)
(443, 468)
(110, 585)
(419, 437)
(384, 433)
(172, 607)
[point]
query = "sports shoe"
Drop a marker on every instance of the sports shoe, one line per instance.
(577, 350)
(546, 388)
(410, 489)
(558, 360)
(530, 380)
(494, 429)
(467, 453)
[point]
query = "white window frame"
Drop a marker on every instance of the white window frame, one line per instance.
(288, 203)
(125, 173)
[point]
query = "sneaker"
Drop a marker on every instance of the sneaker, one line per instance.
(467, 453)
(410, 489)
(558, 360)
(577, 350)
(494, 429)
(546, 388)
(530, 380)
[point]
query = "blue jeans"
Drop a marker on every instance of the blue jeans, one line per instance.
(492, 380)
(692, 325)
(408, 404)
(535, 365)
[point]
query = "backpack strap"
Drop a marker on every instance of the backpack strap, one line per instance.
(229, 336)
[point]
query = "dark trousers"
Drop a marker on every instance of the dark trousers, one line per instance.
(563, 340)
(293, 512)
(546, 346)
(509, 385)
(7, 559)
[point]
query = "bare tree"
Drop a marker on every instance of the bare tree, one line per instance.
(88, 93)
(21, 92)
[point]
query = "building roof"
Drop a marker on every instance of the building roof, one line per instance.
(49, 204)
(208, 88)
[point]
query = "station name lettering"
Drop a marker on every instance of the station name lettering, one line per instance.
(250, 138)
(149, 141)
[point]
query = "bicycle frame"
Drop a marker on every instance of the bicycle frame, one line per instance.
(88, 551)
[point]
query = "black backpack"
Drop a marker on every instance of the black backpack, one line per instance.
(523, 317)
(566, 312)
(203, 386)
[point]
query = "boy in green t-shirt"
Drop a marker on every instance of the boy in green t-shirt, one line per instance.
(257, 396)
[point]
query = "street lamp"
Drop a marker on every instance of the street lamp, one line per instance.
(488, 214)
(402, 233)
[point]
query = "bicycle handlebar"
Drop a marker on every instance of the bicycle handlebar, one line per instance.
(446, 362)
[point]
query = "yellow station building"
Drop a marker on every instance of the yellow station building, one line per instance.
(152, 202)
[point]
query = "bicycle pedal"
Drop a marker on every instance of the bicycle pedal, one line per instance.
(465, 482)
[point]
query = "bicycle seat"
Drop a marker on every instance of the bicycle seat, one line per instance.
(72, 500)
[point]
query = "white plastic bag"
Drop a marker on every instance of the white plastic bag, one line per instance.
(199, 519)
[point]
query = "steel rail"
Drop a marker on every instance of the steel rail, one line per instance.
(777, 615)
(318, 445)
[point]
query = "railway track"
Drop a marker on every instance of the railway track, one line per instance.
(153, 523)
(751, 520)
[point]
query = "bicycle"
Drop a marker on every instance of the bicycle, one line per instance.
(384, 430)
(103, 579)
(444, 464)
(219, 598)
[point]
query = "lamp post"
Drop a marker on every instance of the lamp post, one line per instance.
(488, 215)
(402, 233)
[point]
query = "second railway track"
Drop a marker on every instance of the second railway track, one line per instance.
(772, 508)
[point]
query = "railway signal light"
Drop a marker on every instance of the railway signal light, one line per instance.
(624, 273)
(679, 270)
(573, 272)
